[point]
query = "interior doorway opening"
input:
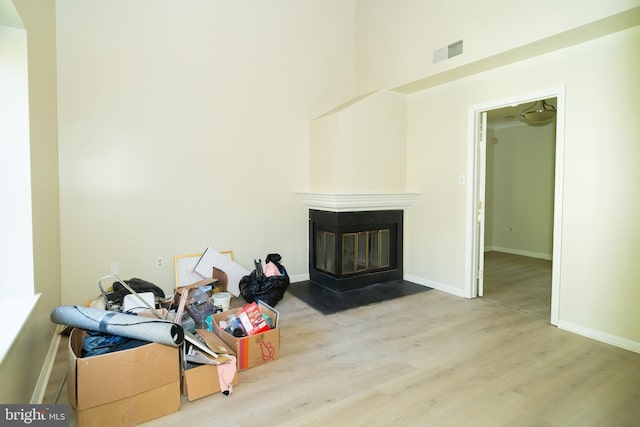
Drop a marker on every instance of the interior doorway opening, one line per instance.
(519, 181)
(515, 196)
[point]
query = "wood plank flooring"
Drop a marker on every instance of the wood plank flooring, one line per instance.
(430, 359)
(518, 282)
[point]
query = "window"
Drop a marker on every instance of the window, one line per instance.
(16, 241)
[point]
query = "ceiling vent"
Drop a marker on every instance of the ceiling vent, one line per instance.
(454, 49)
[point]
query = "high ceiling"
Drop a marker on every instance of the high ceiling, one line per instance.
(8, 15)
(510, 115)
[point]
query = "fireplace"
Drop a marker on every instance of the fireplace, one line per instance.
(349, 250)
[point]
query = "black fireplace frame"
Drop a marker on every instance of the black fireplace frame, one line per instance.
(353, 222)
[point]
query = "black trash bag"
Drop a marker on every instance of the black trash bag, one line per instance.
(258, 287)
(138, 285)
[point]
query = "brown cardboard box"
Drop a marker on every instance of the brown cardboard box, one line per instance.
(222, 279)
(203, 380)
(253, 350)
(218, 281)
(122, 388)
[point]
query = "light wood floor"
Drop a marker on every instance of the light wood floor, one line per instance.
(518, 282)
(430, 359)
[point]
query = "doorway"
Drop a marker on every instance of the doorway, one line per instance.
(515, 196)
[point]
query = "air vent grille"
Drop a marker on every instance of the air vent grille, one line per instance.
(454, 49)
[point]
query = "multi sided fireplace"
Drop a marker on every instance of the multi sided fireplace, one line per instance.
(349, 250)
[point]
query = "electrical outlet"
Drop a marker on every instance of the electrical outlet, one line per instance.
(159, 262)
(115, 269)
(510, 229)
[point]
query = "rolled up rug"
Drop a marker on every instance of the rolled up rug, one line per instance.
(114, 323)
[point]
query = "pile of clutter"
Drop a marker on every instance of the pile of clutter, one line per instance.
(191, 343)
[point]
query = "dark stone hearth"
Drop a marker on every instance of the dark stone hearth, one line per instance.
(328, 301)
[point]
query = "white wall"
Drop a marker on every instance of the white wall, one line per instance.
(599, 274)
(184, 125)
(361, 148)
(396, 39)
(520, 188)
(489, 187)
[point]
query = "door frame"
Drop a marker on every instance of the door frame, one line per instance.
(476, 162)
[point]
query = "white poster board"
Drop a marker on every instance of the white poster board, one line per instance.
(235, 272)
(184, 265)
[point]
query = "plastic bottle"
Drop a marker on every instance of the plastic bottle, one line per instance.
(234, 326)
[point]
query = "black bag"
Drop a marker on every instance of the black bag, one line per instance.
(138, 285)
(258, 287)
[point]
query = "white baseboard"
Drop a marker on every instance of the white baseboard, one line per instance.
(530, 254)
(600, 336)
(298, 278)
(435, 285)
(47, 367)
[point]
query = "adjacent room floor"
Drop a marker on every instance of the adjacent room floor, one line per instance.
(518, 282)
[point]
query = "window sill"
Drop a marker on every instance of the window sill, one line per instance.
(14, 313)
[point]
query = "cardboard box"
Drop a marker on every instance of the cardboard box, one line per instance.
(203, 380)
(122, 388)
(218, 282)
(253, 350)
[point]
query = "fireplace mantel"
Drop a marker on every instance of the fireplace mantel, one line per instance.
(354, 202)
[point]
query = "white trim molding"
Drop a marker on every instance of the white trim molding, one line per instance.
(45, 373)
(435, 285)
(344, 202)
(294, 278)
(530, 254)
(600, 336)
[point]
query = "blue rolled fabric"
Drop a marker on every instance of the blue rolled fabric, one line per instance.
(114, 323)
(97, 343)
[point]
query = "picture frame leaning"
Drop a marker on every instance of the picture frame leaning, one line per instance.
(184, 265)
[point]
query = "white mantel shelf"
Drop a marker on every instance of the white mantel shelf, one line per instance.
(339, 202)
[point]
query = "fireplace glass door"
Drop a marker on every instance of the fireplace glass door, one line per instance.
(325, 251)
(365, 251)
(360, 252)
